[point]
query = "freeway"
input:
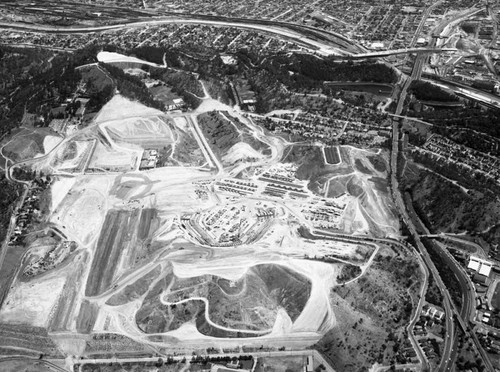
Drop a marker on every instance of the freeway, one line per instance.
(488, 99)
(325, 42)
(466, 314)
(450, 349)
(392, 52)
(450, 345)
(454, 238)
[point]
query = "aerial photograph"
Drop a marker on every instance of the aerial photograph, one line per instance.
(249, 185)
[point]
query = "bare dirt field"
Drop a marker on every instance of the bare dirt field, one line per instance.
(65, 310)
(28, 144)
(145, 132)
(136, 290)
(86, 317)
(109, 160)
(118, 229)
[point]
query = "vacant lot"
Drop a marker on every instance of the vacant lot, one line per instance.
(283, 364)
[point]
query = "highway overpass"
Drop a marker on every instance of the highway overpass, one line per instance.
(393, 52)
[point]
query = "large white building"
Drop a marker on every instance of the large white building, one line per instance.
(480, 266)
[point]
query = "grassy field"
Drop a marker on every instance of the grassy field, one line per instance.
(164, 93)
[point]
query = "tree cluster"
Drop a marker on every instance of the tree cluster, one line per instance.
(425, 91)
(132, 87)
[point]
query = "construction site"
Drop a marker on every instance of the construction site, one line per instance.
(190, 230)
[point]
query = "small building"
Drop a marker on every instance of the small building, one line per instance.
(147, 164)
(377, 45)
(481, 279)
(233, 364)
